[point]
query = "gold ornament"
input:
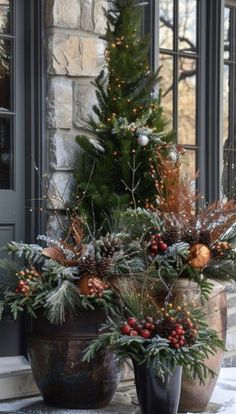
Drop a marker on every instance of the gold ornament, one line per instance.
(199, 255)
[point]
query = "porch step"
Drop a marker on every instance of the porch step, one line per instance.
(122, 404)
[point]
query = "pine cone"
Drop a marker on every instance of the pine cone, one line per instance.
(191, 336)
(165, 327)
(205, 237)
(109, 246)
(190, 235)
(104, 266)
(87, 266)
(171, 236)
(168, 326)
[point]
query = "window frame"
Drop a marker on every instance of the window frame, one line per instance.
(209, 120)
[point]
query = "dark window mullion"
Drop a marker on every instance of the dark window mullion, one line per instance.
(176, 66)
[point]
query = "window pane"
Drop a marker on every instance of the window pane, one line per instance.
(187, 102)
(5, 74)
(226, 105)
(166, 24)
(229, 174)
(187, 25)
(5, 153)
(166, 84)
(226, 32)
(5, 16)
(188, 166)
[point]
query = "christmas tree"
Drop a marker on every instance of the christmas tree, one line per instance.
(115, 167)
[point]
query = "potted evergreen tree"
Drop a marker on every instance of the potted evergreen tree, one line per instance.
(126, 123)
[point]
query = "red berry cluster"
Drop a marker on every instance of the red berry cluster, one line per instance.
(131, 327)
(25, 277)
(177, 336)
(23, 287)
(157, 245)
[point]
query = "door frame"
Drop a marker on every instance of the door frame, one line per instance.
(16, 380)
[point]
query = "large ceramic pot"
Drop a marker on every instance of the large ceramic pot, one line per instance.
(56, 352)
(195, 397)
(154, 394)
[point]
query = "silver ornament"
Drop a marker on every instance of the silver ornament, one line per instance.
(143, 140)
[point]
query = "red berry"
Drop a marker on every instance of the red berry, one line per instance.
(145, 333)
(181, 342)
(173, 333)
(152, 327)
(182, 337)
(176, 346)
(131, 321)
(148, 326)
(178, 326)
(170, 338)
(126, 329)
(163, 246)
(133, 333)
(174, 341)
(179, 331)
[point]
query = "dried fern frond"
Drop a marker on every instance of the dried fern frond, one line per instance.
(175, 193)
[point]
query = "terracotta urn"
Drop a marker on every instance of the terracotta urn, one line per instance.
(195, 397)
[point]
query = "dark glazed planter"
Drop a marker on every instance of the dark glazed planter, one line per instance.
(154, 395)
(56, 353)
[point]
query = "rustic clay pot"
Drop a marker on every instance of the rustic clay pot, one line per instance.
(195, 397)
(56, 352)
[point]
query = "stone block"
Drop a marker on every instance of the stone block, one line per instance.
(84, 99)
(99, 17)
(60, 103)
(61, 187)
(64, 151)
(86, 21)
(62, 13)
(73, 55)
(92, 17)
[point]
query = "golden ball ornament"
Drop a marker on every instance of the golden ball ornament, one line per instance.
(199, 255)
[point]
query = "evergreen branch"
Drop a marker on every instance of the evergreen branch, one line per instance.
(62, 299)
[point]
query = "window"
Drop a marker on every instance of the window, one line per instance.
(187, 43)
(179, 53)
(7, 107)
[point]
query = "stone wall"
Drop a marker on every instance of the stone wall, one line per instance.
(74, 53)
